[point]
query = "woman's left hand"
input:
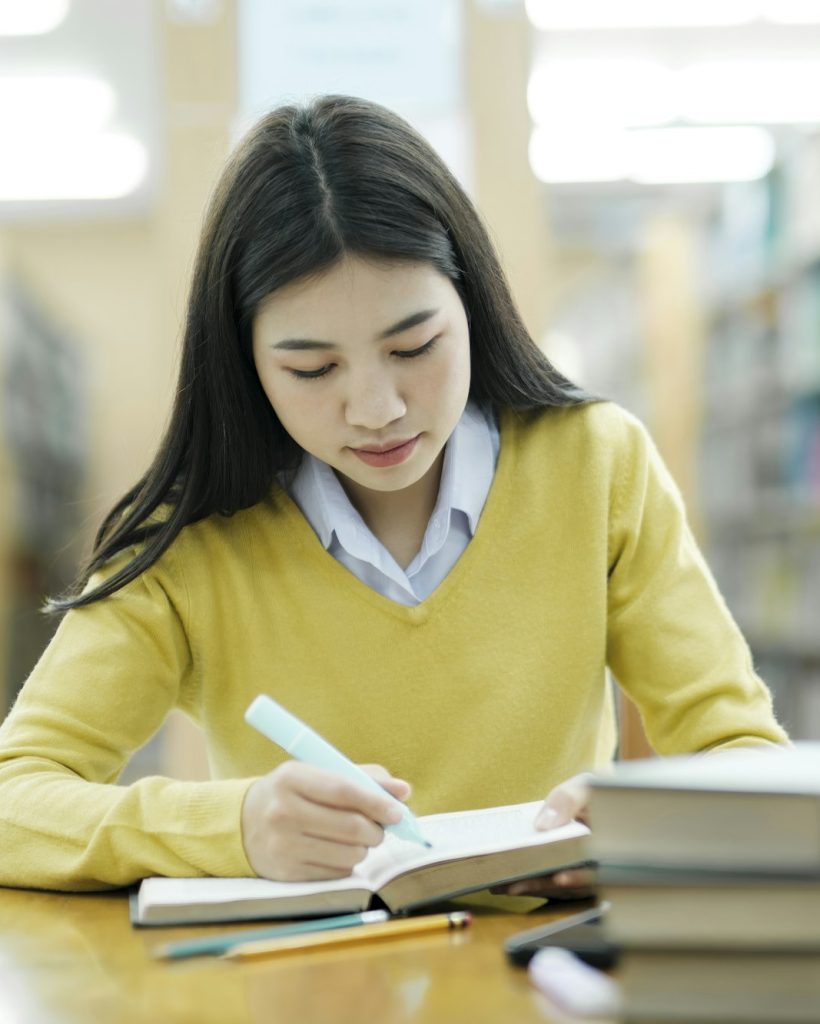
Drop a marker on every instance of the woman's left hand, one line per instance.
(568, 801)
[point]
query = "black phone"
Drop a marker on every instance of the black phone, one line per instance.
(580, 933)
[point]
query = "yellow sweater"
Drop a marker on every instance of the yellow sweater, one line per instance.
(491, 691)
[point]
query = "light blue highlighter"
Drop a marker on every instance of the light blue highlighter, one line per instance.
(302, 743)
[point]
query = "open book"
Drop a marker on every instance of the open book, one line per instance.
(471, 850)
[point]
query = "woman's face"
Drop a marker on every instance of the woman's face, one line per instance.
(367, 366)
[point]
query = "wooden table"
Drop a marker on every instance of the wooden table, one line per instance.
(67, 958)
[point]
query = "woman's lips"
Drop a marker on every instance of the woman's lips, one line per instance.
(390, 457)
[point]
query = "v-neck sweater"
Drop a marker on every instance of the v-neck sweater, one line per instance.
(490, 691)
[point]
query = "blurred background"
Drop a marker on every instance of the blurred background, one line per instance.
(649, 172)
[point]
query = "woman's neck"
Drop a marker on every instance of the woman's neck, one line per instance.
(398, 518)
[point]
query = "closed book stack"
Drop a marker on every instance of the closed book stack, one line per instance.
(711, 865)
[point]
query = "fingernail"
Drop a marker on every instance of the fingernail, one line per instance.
(546, 817)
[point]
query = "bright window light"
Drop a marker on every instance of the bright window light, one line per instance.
(618, 93)
(58, 104)
(592, 14)
(653, 156)
(752, 92)
(31, 17)
(104, 166)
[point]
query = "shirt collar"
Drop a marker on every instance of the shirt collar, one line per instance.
(469, 466)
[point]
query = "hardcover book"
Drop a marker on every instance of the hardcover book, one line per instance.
(471, 850)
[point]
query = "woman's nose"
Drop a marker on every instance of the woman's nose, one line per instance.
(374, 401)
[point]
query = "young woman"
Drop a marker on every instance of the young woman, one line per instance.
(377, 501)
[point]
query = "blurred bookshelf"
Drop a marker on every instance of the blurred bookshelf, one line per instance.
(594, 337)
(754, 374)
(760, 440)
(43, 460)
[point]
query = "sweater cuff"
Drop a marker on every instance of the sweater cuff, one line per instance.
(214, 817)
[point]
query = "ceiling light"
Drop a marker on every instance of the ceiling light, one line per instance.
(752, 92)
(58, 104)
(689, 155)
(617, 93)
(104, 166)
(791, 12)
(557, 157)
(596, 14)
(610, 94)
(652, 156)
(548, 15)
(31, 17)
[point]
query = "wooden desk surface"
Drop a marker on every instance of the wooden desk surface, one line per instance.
(67, 958)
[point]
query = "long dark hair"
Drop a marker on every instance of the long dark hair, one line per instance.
(307, 185)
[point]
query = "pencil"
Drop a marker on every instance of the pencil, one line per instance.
(214, 945)
(396, 929)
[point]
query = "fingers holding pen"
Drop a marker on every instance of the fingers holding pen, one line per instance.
(399, 788)
(325, 789)
(300, 822)
(313, 859)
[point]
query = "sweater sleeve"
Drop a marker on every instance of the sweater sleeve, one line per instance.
(672, 643)
(101, 689)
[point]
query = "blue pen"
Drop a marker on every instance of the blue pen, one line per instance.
(216, 945)
(301, 742)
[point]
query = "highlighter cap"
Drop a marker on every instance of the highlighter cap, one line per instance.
(273, 721)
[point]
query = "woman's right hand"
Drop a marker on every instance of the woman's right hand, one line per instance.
(301, 823)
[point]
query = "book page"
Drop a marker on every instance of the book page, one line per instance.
(458, 835)
(181, 892)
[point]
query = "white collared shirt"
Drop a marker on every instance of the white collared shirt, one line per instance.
(470, 457)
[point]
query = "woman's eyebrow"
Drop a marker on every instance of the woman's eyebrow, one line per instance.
(409, 321)
(305, 344)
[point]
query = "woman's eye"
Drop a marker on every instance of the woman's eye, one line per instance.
(312, 374)
(323, 371)
(413, 353)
